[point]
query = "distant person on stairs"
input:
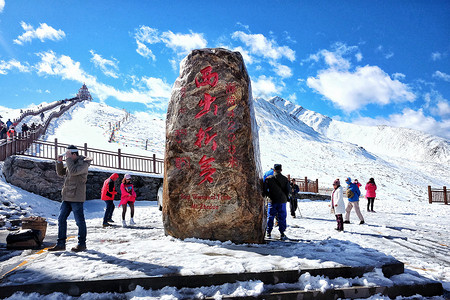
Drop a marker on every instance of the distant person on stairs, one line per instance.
(3, 132)
(371, 187)
(128, 196)
(353, 194)
(73, 196)
(108, 194)
(8, 124)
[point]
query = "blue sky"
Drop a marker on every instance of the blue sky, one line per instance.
(366, 62)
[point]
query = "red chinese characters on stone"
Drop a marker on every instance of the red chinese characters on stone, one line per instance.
(203, 134)
(183, 92)
(205, 169)
(231, 103)
(206, 136)
(183, 162)
(206, 104)
(179, 133)
(206, 77)
(230, 88)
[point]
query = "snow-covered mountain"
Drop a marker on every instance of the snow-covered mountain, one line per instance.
(402, 161)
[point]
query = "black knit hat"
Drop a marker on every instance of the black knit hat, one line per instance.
(277, 167)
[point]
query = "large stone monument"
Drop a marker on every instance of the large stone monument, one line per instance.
(212, 175)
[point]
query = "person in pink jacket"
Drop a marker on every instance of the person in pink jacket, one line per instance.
(128, 196)
(371, 187)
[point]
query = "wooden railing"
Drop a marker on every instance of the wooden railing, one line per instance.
(41, 110)
(101, 158)
(438, 195)
(306, 185)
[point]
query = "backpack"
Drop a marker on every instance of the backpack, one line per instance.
(350, 193)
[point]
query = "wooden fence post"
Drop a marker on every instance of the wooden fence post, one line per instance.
(119, 157)
(85, 149)
(56, 149)
(306, 184)
(317, 185)
(154, 163)
(430, 197)
(445, 195)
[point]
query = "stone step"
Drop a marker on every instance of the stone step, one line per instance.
(426, 290)
(76, 288)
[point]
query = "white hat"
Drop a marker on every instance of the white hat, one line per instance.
(127, 176)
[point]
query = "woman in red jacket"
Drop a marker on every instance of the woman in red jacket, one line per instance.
(108, 193)
(128, 196)
(371, 187)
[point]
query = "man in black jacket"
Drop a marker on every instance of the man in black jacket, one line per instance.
(278, 190)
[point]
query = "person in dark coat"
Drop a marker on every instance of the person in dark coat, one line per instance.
(24, 127)
(293, 198)
(3, 132)
(277, 187)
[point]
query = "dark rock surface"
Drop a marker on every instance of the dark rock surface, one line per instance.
(39, 177)
(212, 183)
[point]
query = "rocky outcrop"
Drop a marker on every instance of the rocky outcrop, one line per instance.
(212, 186)
(39, 177)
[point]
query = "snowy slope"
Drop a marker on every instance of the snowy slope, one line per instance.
(402, 161)
(390, 141)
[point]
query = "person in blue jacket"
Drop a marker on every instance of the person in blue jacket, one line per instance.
(353, 194)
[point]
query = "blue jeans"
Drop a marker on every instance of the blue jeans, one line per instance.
(78, 213)
(279, 210)
(109, 211)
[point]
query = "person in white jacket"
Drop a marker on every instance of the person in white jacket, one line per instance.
(337, 204)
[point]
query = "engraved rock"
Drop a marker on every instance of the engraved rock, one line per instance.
(212, 179)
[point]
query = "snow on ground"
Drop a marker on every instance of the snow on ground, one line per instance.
(414, 234)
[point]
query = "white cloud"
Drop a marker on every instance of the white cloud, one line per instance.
(398, 76)
(437, 104)
(2, 5)
(248, 59)
(436, 56)
(386, 54)
(180, 43)
(359, 56)
(147, 35)
(354, 90)
(145, 90)
(108, 67)
(413, 119)
(183, 43)
(43, 32)
(292, 98)
(443, 109)
(144, 51)
(441, 75)
(335, 58)
(265, 87)
(261, 46)
(282, 70)
(6, 66)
